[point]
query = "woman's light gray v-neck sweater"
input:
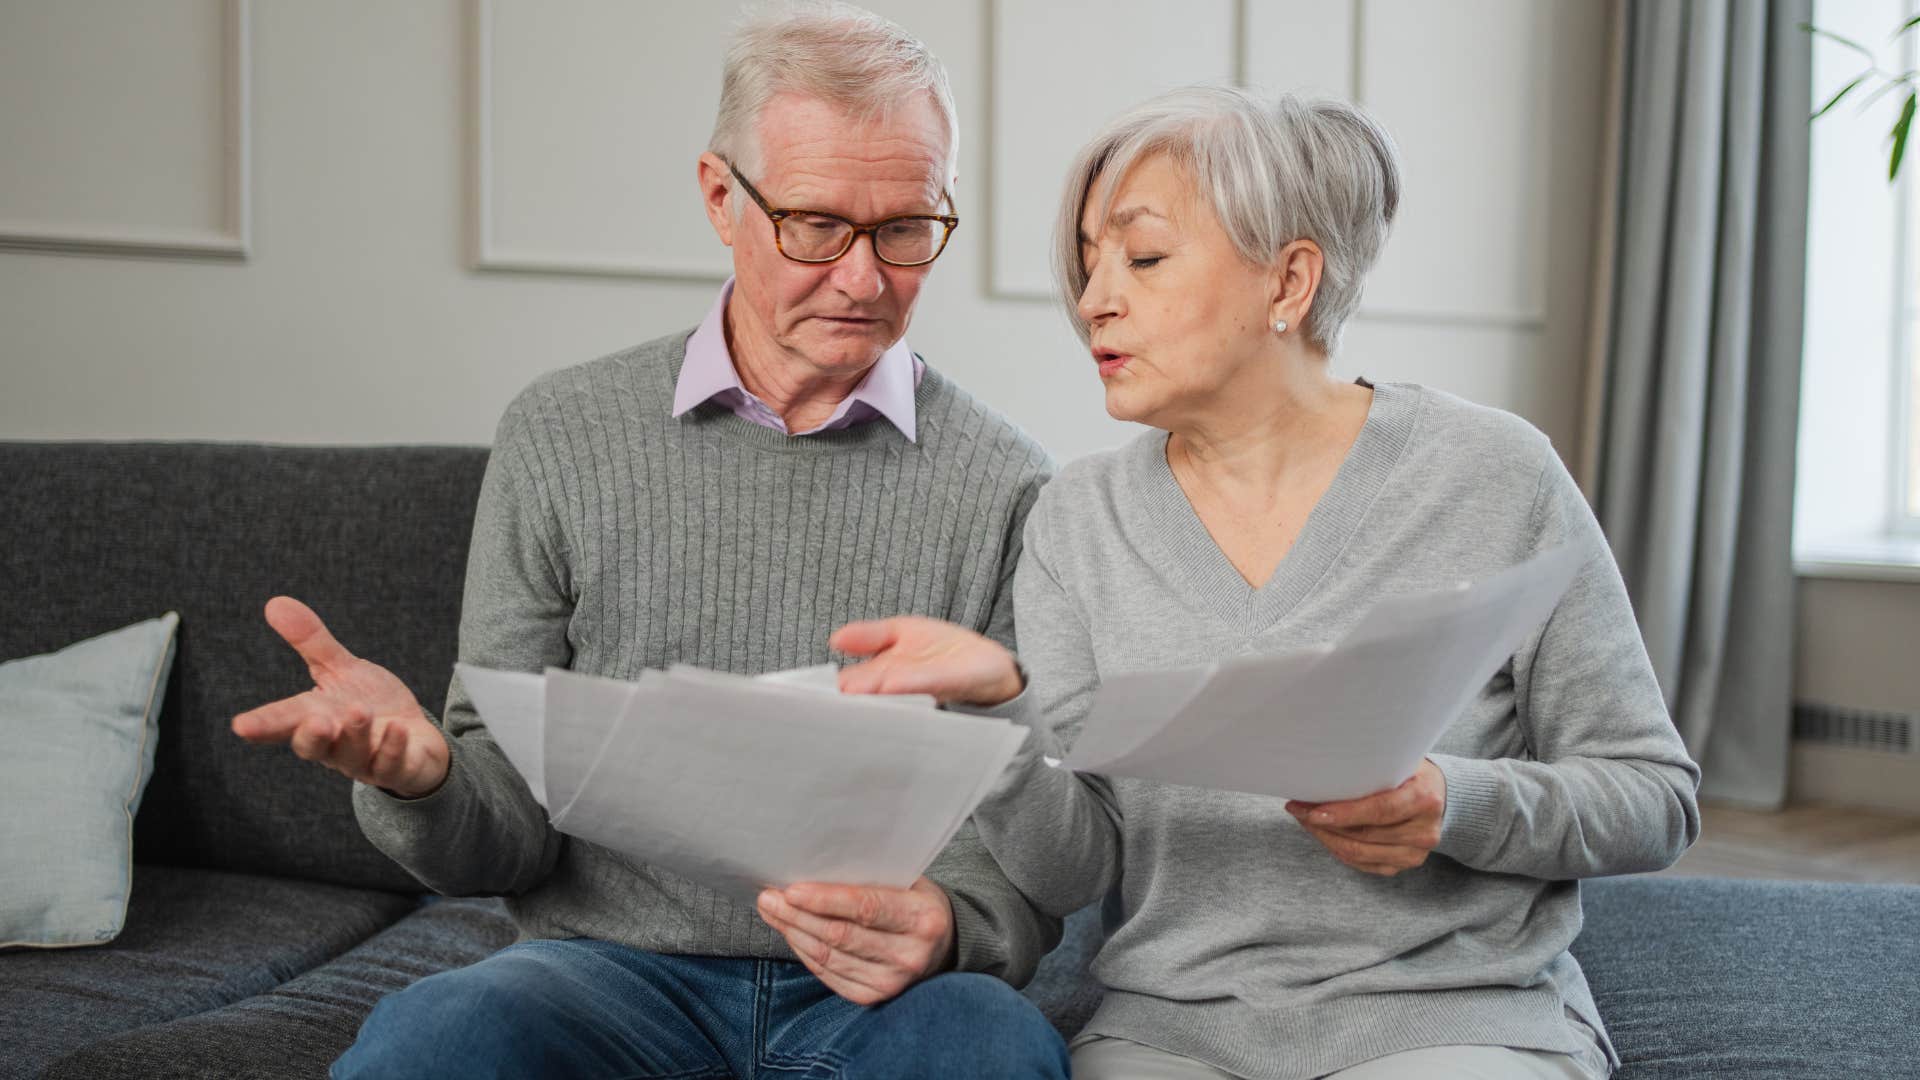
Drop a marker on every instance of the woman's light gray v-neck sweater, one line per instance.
(1235, 937)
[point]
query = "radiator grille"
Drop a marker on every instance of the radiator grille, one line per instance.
(1864, 729)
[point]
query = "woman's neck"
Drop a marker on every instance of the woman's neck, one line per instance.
(1267, 424)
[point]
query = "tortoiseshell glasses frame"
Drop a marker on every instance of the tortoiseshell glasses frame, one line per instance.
(823, 237)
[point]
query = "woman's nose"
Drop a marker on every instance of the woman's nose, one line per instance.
(1098, 301)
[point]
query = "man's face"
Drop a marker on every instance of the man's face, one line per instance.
(836, 318)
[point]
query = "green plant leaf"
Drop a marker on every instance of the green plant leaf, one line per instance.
(1908, 25)
(1879, 92)
(1844, 91)
(1831, 36)
(1900, 128)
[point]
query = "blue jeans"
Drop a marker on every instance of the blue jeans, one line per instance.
(585, 1008)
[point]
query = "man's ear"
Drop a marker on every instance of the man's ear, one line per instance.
(716, 189)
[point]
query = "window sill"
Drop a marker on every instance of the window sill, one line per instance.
(1886, 558)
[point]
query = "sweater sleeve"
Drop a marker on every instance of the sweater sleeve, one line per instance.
(482, 832)
(996, 930)
(1000, 623)
(1055, 832)
(1608, 787)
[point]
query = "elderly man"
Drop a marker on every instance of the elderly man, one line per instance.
(724, 498)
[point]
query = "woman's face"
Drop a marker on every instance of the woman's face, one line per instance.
(1174, 312)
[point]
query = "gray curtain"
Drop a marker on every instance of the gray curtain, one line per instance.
(1699, 379)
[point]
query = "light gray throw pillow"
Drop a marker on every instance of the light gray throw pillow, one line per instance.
(78, 730)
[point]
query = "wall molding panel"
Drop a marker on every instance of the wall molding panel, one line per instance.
(601, 197)
(83, 162)
(1042, 109)
(1469, 248)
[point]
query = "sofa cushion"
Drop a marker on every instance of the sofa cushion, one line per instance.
(98, 535)
(299, 1028)
(194, 940)
(78, 727)
(1063, 988)
(1710, 977)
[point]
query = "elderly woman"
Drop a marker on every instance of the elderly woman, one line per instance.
(1213, 246)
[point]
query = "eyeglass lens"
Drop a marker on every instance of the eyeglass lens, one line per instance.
(818, 238)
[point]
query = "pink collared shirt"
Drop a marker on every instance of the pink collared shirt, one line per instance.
(708, 374)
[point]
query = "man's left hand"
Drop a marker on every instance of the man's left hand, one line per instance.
(1386, 832)
(867, 943)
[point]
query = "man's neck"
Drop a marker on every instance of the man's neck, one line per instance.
(802, 395)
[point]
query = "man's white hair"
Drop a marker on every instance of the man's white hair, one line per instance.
(1273, 170)
(832, 52)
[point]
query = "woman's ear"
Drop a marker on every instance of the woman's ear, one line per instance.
(1296, 280)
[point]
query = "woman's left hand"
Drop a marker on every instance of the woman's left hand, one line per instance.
(1386, 832)
(912, 654)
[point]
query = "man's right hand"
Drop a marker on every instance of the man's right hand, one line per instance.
(359, 719)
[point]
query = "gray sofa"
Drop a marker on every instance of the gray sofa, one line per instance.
(263, 926)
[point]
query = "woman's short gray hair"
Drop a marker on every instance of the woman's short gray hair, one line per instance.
(834, 52)
(1273, 171)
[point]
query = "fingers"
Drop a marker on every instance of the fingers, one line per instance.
(1382, 859)
(865, 638)
(302, 629)
(1390, 807)
(344, 741)
(313, 739)
(857, 992)
(352, 750)
(387, 763)
(840, 935)
(276, 722)
(884, 676)
(892, 911)
(926, 656)
(1418, 831)
(847, 974)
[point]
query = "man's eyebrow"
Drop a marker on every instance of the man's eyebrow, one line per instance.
(1120, 219)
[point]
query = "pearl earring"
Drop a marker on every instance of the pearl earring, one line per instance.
(1280, 326)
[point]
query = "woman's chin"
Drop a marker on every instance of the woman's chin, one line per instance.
(1123, 406)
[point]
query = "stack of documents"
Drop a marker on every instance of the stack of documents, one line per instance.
(740, 783)
(1331, 722)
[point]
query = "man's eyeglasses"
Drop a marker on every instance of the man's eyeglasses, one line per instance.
(815, 236)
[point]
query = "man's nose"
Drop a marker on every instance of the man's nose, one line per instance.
(858, 273)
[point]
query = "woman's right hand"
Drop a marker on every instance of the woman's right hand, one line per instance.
(359, 719)
(912, 654)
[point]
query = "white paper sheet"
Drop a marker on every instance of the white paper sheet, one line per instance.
(739, 783)
(1327, 723)
(513, 705)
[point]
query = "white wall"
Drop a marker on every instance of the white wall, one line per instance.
(347, 175)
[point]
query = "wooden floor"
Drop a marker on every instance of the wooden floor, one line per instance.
(1809, 842)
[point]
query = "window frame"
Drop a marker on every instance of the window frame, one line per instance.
(1903, 498)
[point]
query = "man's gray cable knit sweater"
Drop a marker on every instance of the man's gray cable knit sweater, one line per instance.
(611, 538)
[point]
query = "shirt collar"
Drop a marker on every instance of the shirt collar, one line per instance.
(708, 371)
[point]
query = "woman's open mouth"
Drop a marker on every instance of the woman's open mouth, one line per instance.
(1110, 360)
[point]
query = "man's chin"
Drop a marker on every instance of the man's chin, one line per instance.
(848, 329)
(851, 349)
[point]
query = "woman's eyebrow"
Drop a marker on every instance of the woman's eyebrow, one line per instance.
(1120, 219)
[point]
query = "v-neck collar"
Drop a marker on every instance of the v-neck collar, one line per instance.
(1166, 519)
